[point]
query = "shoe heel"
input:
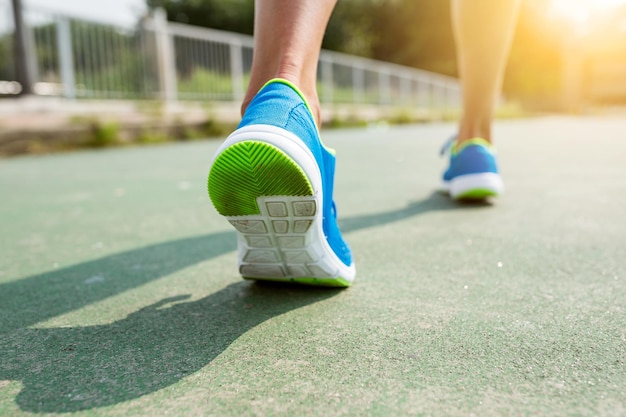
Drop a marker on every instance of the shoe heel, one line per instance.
(250, 169)
(476, 186)
(266, 182)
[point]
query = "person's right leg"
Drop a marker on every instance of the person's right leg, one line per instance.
(483, 32)
(273, 178)
(287, 40)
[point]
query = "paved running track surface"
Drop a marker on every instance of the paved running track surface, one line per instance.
(119, 293)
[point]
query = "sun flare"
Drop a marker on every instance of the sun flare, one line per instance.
(583, 10)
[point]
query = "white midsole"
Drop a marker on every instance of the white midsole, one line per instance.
(463, 183)
(297, 150)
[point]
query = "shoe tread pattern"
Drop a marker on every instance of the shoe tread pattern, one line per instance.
(269, 200)
(249, 169)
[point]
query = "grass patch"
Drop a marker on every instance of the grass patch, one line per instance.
(104, 134)
(152, 136)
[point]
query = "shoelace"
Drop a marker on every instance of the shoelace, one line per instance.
(447, 146)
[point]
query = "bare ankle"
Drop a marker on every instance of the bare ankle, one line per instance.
(471, 130)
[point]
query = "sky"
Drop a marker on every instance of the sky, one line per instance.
(124, 12)
(581, 10)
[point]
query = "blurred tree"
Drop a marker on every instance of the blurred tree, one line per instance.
(416, 33)
(409, 32)
(231, 15)
(349, 30)
(352, 27)
(7, 57)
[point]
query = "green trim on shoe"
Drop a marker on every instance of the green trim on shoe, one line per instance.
(306, 103)
(476, 194)
(317, 282)
(458, 147)
(296, 89)
(250, 169)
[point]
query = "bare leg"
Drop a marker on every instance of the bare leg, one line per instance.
(288, 37)
(269, 169)
(483, 32)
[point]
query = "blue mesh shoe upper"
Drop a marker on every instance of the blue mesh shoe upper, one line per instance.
(474, 157)
(280, 104)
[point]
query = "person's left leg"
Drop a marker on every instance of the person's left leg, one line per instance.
(483, 32)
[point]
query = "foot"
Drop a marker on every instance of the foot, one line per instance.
(273, 181)
(473, 172)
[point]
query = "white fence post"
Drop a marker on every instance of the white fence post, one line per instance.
(384, 87)
(327, 78)
(236, 70)
(100, 59)
(358, 84)
(66, 57)
(405, 88)
(166, 63)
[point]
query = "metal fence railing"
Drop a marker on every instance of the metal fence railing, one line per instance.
(7, 65)
(156, 59)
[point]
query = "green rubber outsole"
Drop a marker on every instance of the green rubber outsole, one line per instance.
(476, 194)
(317, 282)
(250, 169)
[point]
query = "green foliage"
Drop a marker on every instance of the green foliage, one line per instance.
(402, 117)
(214, 128)
(152, 137)
(121, 69)
(201, 80)
(7, 63)
(46, 54)
(189, 133)
(118, 71)
(230, 15)
(416, 33)
(351, 120)
(352, 27)
(104, 134)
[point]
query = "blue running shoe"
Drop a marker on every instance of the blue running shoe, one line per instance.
(273, 181)
(473, 172)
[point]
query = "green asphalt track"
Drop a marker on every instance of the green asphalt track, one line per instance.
(119, 292)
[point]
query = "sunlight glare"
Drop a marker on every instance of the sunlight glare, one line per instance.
(581, 11)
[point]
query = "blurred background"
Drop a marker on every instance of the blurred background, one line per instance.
(121, 71)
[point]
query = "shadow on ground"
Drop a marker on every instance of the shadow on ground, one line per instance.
(78, 368)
